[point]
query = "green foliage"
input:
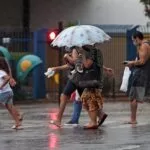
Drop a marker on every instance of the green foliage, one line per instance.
(147, 7)
(71, 23)
(145, 2)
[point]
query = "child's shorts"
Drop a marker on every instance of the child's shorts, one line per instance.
(92, 99)
(6, 98)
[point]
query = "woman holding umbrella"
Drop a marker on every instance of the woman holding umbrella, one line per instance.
(76, 36)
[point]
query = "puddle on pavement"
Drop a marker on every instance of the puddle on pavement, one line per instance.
(129, 147)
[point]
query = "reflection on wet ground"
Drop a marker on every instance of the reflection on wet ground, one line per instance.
(38, 134)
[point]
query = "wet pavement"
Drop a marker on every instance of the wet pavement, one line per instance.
(39, 135)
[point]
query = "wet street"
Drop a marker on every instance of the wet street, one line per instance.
(39, 135)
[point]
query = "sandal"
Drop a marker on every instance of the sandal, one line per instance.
(55, 123)
(100, 122)
(17, 127)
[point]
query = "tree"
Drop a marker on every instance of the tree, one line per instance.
(147, 7)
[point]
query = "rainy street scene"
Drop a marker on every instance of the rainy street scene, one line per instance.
(75, 75)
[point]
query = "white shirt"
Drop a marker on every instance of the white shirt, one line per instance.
(7, 87)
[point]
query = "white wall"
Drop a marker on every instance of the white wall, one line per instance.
(46, 13)
(11, 13)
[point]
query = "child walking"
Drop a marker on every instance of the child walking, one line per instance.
(6, 94)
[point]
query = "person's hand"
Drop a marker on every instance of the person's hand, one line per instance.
(130, 64)
(66, 57)
(52, 68)
(12, 82)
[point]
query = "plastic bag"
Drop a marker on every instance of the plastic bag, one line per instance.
(125, 79)
(49, 73)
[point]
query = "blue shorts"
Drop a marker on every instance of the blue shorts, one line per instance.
(6, 98)
(70, 88)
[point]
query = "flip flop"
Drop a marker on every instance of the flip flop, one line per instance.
(20, 127)
(90, 127)
(100, 122)
(55, 123)
(130, 122)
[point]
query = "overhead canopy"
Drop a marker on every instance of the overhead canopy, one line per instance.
(26, 64)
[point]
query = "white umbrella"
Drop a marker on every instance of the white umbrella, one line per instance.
(80, 35)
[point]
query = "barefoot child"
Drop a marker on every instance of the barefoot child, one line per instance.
(6, 94)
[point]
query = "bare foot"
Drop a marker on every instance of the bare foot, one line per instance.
(55, 122)
(130, 122)
(17, 127)
(90, 126)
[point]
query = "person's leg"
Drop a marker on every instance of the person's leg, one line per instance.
(69, 88)
(133, 107)
(101, 114)
(76, 111)
(90, 103)
(93, 120)
(136, 96)
(93, 117)
(14, 113)
(63, 102)
(77, 107)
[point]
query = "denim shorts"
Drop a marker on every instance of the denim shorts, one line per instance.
(6, 98)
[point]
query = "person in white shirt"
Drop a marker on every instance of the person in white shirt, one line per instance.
(6, 94)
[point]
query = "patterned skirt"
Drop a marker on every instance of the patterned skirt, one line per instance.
(92, 99)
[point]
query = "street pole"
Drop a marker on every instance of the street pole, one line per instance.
(26, 23)
(60, 55)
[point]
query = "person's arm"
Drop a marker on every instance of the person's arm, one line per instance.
(71, 58)
(11, 80)
(143, 57)
(6, 79)
(107, 69)
(58, 68)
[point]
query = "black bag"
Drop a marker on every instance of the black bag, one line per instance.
(89, 84)
(88, 79)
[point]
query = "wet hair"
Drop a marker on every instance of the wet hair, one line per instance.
(138, 34)
(4, 65)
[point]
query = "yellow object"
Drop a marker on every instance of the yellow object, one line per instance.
(56, 78)
(25, 65)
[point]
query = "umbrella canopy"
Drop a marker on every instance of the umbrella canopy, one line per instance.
(26, 64)
(79, 36)
(4, 51)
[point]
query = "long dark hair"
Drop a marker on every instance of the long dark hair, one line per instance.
(4, 65)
